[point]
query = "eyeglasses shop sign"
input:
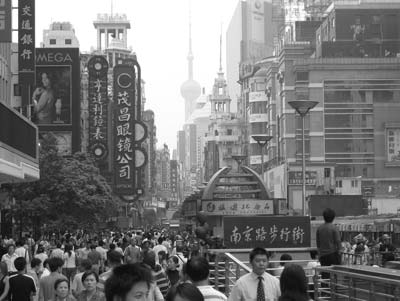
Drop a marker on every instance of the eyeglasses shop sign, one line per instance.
(238, 207)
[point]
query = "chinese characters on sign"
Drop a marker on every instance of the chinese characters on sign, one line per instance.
(238, 207)
(98, 103)
(5, 21)
(269, 232)
(296, 178)
(26, 35)
(124, 91)
(393, 145)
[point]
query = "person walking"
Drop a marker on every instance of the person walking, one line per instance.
(22, 286)
(328, 240)
(257, 285)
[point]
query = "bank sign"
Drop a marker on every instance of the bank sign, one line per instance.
(238, 207)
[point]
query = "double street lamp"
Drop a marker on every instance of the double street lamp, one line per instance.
(302, 107)
(262, 141)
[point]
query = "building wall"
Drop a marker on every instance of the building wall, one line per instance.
(5, 73)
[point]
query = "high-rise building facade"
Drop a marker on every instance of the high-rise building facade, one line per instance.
(351, 136)
(60, 35)
(251, 35)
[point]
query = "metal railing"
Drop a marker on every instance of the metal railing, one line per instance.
(359, 283)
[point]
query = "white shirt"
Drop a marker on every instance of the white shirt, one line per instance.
(9, 260)
(211, 294)
(245, 288)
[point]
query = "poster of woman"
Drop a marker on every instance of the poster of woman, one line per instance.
(52, 96)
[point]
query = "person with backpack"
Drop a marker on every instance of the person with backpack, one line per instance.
(132, 252)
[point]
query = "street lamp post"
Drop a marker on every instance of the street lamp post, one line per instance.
(262, 140)
(302, 107)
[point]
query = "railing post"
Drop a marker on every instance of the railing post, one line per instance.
(227, 273)
(216, 276)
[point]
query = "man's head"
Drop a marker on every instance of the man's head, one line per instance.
(198, 269)
(259, 260)
(35, 264)
(85, 265)
(113, 258)
(133, 241)
(329, 215)
(11, 249)
(20, 264)
(285, 257)
(149, 258)
(386, 239)
(55, 264)
(128, 282)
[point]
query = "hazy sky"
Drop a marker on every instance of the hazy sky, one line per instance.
(159, 36)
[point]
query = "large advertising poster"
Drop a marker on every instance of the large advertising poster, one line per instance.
(98, 103)
(52, 95)
(56, 94)
(124, 101)
(5, 21)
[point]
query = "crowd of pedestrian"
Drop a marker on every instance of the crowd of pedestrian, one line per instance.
(154, 265)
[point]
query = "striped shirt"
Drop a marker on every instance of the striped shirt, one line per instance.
(161, 279)
(211, 294)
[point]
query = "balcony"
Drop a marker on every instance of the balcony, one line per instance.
(222, 138)
(19, 158)
(258, 118)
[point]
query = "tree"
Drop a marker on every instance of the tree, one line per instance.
(70, 194)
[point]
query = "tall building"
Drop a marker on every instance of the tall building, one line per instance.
(174, 186)
(223, 139)
(251, 35)
(112, 37)
(352, 135)
(60, 35)
(150, 145)
(190, 89)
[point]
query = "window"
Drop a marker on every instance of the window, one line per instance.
(52, 41)
(229, 132)
(68, 41)
(354, 183)
(327, 172)
(339, 183)
(302, 76)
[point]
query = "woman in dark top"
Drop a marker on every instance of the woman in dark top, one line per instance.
(172, 271)
(293, 283)
(4, 283)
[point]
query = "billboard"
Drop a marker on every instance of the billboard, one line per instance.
(246, 232)
(124, 112)
(56, 95)
(98, 104)
(296, 178)
(5, 21)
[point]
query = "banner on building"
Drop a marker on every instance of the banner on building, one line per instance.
(98, 104)
(238, 207)
(242, 232)
(26, 36)
(124, 102)
(5, 21)
(56, 95)
(296, 178)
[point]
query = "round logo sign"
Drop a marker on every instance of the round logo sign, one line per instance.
(99, 151)
(140, 157)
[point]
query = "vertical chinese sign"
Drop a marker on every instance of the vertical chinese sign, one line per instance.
(124, 104)
(5, 21)
(98, 103)
(26, 48)
(246, 232)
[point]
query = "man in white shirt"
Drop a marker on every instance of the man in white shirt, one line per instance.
(9, 258)
(257, 285)
(198, 270)
(103, 254)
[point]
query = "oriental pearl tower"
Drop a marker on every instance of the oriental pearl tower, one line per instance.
(190, 89)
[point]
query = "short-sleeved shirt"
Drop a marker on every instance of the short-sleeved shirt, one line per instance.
(94, 257)
(21, 287)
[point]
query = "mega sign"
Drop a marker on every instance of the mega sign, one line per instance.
(269, 232)
(98, 103)
(124, 93)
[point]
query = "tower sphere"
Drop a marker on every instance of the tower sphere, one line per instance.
(190, 90)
